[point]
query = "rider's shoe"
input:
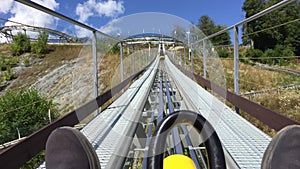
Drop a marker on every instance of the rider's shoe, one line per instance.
(284, 150)
(68, 148)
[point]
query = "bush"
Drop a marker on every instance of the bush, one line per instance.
(115, 49)
(26, 111)
(20, 45)
(285, 51)
(40, 46)
(270, 56)
(254, 54)
(26, 62)
(279, 55)
(223, 53)
(9, 73)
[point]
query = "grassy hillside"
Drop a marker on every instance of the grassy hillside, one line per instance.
(58, 55)
(252, 79)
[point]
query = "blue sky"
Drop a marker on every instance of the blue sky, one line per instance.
(98, 13)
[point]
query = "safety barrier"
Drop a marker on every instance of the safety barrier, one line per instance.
(269, 117)
(20, 153)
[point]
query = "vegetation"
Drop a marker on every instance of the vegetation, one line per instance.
(253, 79)
(20, 45)
(208, 27)
(6, 64)
(223, 53)
(33, 106)
(287, 35)
(278, 56)
(254, 54)
(25, 111)
(40, 46)
(54, 58)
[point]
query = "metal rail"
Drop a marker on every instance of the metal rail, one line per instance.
(175, 133)
(118, 123)
(187, 137)
(149, 134)
(161, 101)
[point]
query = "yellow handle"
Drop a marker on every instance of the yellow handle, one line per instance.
(178, 161)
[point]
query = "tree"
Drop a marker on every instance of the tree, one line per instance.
(25, 111)
(287, 35)
(20, 45)
(179, 33)
(208, 27)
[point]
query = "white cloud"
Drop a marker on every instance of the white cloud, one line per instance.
(85, 10)
(81, 32)
(111, 27)
(108, 8)
(5, 5)
(27, 15)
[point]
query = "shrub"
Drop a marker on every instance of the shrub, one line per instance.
(223, 53)
(24, 110)
(9, 73)
(254, 54)
(270, 56)
(40, 46)
(279, 55)
(20, 45)
(26, 62)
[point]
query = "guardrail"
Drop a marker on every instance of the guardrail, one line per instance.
(269, 117)
(35, 143)
(236, 40)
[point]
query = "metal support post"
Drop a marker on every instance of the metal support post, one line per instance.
(236, 63)
(49, 115)
(149, 54)
(190, 54)
(19, 135)
(94, 52)
(133, 62)
(192, 57)
(140, 59)
(180, 59)
(204, 52)
(122, 63)
(173, 51)
(184, 57)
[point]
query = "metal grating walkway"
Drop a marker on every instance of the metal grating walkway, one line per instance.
(244, 142)
(113, 127)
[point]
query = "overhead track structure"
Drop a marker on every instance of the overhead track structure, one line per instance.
(7, 31)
